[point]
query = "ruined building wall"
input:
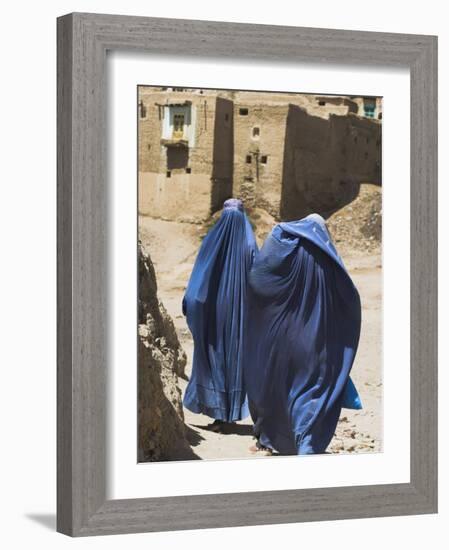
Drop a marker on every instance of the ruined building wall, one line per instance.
(326, 105)
(325, 161)
(258, 153)
(288, 154)
(357, 143)
(290, 141)
(306, 142)
(175, 182)
(318, 105)
(150, 127)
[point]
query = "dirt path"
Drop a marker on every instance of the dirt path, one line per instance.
(173, 247)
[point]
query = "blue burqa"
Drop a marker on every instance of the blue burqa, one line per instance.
(303, 330)
(215, 307)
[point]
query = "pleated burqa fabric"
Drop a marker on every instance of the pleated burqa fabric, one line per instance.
(303, 330)
(215, 307)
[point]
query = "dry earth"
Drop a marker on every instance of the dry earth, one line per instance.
(173, 247)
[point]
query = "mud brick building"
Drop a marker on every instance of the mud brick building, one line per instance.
(290, 154)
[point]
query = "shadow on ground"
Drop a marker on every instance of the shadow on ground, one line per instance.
(228, 429)
(46, 520)
(193, 436)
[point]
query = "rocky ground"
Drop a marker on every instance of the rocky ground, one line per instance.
(357, 227)
(173, 247)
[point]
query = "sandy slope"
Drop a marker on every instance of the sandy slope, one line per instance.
(173, 247)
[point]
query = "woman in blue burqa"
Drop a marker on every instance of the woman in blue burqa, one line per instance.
(303, 330)
(215, 307)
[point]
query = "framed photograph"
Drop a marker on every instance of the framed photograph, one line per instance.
(247, 274)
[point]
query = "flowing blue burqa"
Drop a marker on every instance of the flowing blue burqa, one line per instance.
(304, 321)
(215, 307)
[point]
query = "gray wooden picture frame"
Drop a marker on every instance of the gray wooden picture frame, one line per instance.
(83, 40)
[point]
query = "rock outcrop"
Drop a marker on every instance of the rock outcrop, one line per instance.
(161, 359)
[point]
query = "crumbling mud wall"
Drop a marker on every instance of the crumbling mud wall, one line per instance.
(176, 176)
(325, 160)
(288, 154)
(161, 359)
(259, 133)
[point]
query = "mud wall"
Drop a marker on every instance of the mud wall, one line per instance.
(175, 182)
(181, 197)
(284, 153)
(259, 132)
(325, 160)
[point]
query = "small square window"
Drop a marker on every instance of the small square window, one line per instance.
(264, 159)
(243, 111)
(256, 131)
(321, 103)
(188, 170)
(248, 159)
(168, 174)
